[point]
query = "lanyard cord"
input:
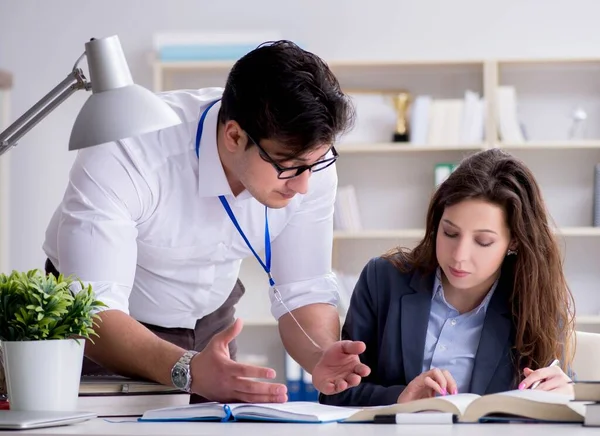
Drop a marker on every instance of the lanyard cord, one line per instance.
(267, 264)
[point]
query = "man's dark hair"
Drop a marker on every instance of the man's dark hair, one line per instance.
(281, 92)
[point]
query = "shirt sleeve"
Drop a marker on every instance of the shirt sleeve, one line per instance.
(303, 275)
(96, 236)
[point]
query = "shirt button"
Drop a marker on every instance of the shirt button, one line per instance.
(443, 347)
(453, 322)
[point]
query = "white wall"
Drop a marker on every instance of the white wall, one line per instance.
(39, 42)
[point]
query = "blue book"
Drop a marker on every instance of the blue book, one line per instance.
(200, 52)
(293, 376)
(310, 393)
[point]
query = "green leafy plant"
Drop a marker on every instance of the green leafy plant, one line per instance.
(35, 306)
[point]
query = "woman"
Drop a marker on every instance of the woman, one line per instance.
(480, 305)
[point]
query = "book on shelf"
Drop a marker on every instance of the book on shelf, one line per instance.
(431, 121)
(299, 382)
(346, 214)
(447, 121)
(528, 405)
(509, 126)
(375, 119)
(596, 200)
(346, 284)
(208, 46)
(442, 171)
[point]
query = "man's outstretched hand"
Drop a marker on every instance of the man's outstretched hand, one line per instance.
(217, 377)
(340, 367)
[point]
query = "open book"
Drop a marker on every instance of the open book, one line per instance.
(525, 404)
(297, 411)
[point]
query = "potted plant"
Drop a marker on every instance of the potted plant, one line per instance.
(43, 323)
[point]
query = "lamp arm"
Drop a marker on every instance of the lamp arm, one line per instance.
(72, 83)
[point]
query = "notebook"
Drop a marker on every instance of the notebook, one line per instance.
(296, 411)
(511, 405)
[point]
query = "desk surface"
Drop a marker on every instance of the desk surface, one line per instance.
(131, 427)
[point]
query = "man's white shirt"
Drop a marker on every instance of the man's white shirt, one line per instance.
(142, 222)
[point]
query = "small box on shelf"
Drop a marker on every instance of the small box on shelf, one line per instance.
(442, 172)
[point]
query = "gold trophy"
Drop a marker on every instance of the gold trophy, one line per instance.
(401, 103)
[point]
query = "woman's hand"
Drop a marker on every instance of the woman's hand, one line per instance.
(427, 384)
(551, 379)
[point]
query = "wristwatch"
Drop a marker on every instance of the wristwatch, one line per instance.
(181, 376)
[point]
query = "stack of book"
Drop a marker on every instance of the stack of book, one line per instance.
(447, 121)
(120, 396)
(589, 391)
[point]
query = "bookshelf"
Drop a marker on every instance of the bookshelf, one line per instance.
(5, 87)
(394, 181)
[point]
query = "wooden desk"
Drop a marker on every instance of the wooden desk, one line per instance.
(124, 427)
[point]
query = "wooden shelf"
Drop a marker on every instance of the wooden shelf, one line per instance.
(399, 147)
(587, 319)
(334, 64)
(270, 322)
(556, 145)
(260, 322)
(579, 231)
(418, 233)
(379, 234)
(193, 65)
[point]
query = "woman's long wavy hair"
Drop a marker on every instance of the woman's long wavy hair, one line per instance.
(542, 304)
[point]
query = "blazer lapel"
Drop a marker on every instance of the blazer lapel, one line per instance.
(494, 339)
(413, 323)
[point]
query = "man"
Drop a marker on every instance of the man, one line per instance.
(159, 224)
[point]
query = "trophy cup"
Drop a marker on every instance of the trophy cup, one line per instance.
(401, 103)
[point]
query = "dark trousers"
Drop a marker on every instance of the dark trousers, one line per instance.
(189, 339)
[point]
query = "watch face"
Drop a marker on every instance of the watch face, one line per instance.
(179, 376)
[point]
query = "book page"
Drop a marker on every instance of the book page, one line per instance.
(461, 401)
(190, 411)
(455, 404)
(549, 398)
(295, 410)
(539, 396)
(531, 404)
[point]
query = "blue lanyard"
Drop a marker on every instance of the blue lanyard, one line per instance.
(266, 266)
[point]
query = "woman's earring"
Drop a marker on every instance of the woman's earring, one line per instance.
(511, 252)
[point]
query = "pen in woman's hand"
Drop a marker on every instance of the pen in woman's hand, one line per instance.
(536, 384)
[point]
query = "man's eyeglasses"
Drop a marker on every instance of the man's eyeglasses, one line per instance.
(291, 172)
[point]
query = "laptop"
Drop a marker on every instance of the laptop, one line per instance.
(17, 420)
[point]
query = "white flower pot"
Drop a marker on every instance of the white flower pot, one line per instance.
(43, 375)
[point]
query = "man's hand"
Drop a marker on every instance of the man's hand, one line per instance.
(218, 378)
(340, 367)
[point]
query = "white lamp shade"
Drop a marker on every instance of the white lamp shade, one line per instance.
(120, 113)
